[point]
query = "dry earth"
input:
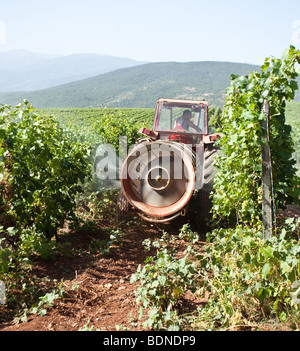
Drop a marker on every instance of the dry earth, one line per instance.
(103, 298)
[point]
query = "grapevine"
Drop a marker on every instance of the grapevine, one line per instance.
(238, 178)
(42, 170)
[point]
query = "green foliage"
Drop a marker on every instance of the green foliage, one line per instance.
(237, 182)
(214, 116)
(86, 117)
(42, 170)
(45, 302)
(249, 279)
(43, 166)
(85, 122)
(111, 127)
(163, 280)
(32, 242)
(115, 236)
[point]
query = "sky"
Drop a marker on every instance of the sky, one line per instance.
(153, 30)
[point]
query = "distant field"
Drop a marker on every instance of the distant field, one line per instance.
(82, 119)
(293, 112)
(85, 117)
(293, 119)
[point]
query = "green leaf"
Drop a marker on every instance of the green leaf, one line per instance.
(162, 280)
(283, 317)
(275, 304)
(265, 66)
(2, 133)
(294, 85)
(43, 312)
(267, 251)
(247, 257)
(285, 268)
(12, 231)
(266, 269)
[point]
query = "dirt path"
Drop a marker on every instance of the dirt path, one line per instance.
(102, 296)
(98, 293)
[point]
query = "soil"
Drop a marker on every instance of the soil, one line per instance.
(98, 293)
(103, 297)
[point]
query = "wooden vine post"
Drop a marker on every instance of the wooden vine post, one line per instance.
(266, 176)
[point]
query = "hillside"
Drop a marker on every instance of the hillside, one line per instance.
(25, 70)
(139, 86)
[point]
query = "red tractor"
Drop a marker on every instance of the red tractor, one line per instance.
(172, 164)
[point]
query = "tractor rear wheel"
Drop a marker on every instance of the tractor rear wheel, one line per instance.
(203, 200)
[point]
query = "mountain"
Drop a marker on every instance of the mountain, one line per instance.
(140, 86)
(17, 60)
(27, 71)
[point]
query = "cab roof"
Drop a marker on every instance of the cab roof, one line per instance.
(183, 102)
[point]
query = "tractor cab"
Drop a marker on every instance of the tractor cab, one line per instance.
(182, 121)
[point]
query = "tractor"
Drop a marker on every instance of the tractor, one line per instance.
(171, 165)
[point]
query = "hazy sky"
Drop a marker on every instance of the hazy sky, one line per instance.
(153, 30)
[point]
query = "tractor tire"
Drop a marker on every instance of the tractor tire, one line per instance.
(203, 200)
(209, 168)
